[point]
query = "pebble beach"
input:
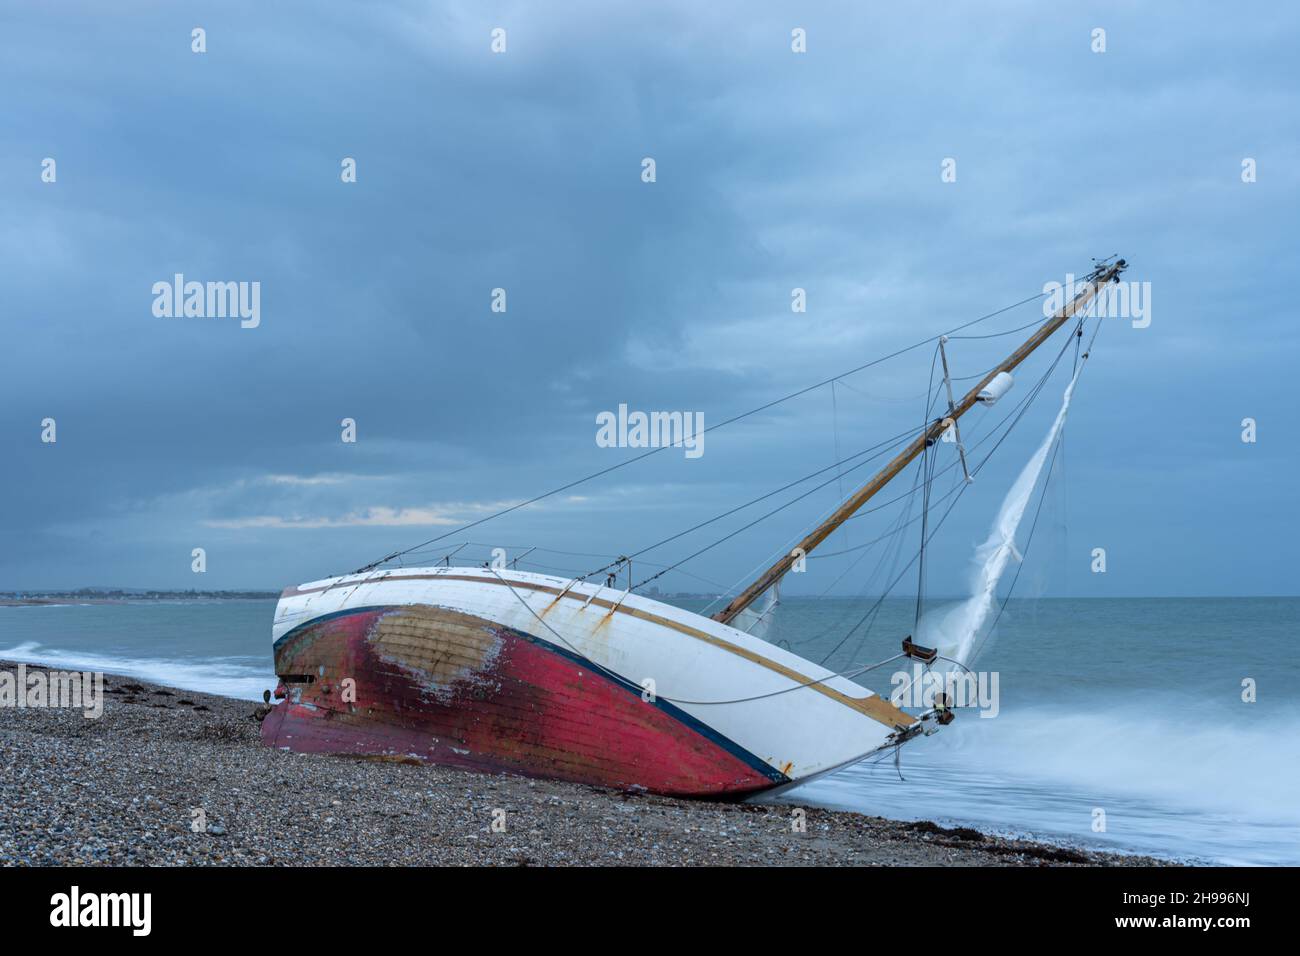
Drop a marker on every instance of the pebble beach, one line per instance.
(168, 777)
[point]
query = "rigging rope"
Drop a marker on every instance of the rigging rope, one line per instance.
(962, 490)
(618, 678)
(835, 433)
(880, 449)
(850, 673)
(735, 418)
(927, 468)
(896, 441)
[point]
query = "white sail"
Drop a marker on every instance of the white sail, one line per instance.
(756, 620)
(957, 630)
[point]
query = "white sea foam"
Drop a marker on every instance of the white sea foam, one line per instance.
(226, 676)
(1192, 757)
(1198, 783)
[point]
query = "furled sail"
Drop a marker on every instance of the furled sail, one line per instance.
(756, 620)
(958, 630)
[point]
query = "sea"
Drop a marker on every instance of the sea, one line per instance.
(1168, 727)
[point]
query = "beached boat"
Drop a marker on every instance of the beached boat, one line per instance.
(496, 669)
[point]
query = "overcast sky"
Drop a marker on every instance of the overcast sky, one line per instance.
(522, 170)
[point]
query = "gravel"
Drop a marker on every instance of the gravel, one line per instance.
(168, 777)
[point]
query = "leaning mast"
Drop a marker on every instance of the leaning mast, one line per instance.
(1101, 277)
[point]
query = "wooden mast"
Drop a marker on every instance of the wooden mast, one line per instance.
(1096, 281)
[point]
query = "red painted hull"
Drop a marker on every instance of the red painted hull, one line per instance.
(464, 692)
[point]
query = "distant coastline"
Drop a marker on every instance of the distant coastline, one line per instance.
(28, 598)
(36, 598)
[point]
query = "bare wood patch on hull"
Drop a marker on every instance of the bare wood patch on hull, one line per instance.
(439, 646)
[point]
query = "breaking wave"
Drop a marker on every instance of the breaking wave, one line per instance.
(242, 677)
(1199, 783)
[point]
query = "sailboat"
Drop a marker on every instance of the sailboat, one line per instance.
(495, 669)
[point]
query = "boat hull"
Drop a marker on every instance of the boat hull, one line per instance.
(465, 692)
(531, 675)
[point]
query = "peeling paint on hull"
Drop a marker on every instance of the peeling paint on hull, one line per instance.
(462, 691)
